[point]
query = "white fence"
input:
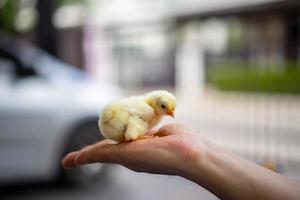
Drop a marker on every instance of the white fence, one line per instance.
(261, 127)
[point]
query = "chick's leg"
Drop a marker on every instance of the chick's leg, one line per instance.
(136, 128)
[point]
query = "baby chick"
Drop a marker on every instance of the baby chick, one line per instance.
(130, 118)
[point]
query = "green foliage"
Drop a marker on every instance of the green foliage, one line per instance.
(10, 8)
(68, 2)
(8, 14)
(254, 79)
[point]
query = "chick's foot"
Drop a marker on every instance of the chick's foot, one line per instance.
(143, 137)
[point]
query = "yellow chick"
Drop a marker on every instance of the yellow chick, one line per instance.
(130, 118)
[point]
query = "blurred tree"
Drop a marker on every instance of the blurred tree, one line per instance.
(8, 13)
(18, 16)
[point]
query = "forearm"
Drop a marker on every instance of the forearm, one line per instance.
(231, 177)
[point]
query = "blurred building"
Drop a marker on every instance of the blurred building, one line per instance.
(149, 43)
(68, 22)
(154, 43)
(266, 31)
(134, 45)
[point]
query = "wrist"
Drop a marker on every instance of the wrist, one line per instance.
(229, 176)
(197, 164)
(200, 163)
(211, 169)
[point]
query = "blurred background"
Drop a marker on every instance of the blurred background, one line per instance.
(234, 66)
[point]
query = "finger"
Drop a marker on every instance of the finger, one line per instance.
(165, 130)
(68, 160)
(172, 129)
(104, 151)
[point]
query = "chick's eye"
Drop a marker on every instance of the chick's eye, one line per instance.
(163, 106)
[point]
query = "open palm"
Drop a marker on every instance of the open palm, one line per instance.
(171, 152)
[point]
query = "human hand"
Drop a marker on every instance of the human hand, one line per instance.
(174, 152)
(179, 151)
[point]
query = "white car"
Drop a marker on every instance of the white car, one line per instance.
(47, 109)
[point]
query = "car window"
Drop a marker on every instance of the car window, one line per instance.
(17, 68)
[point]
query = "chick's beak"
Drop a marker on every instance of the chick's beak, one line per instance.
(171, 113)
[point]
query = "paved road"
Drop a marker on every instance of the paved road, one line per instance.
(119, 184)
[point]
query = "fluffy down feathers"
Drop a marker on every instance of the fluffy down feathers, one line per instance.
(130, 118)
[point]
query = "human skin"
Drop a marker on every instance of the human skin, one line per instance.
(177, 150)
